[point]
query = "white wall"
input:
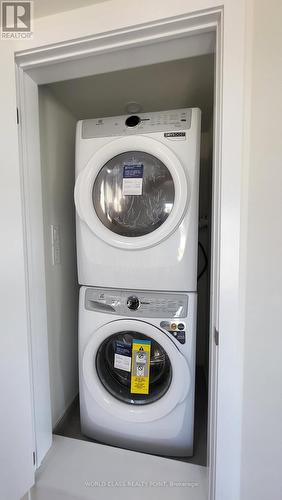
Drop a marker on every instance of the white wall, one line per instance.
(262, 406)
(156, 87)
(57, 133)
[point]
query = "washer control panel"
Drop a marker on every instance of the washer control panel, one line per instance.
(176, 329)
(143, 123)
(137, 304)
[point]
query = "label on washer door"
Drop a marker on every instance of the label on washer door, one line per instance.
(122, 356)
(122, 362)
(140, 368)
(132, 181)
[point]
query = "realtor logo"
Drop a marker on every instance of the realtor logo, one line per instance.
(16, 20)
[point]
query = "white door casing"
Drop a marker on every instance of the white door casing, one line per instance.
(225, 464)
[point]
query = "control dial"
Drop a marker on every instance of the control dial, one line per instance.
(132, 121)
(133, 303)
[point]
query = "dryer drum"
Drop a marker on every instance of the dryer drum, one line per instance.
(133, 215)
(117, 382)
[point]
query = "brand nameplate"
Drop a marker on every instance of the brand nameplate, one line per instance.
(175, 134)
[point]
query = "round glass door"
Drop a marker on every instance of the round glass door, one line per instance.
(117, 381)
(133, 194)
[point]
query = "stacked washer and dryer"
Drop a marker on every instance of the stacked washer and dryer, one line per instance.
(136, 198)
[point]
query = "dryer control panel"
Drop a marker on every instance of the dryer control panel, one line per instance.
(137, 304)
(170, 122)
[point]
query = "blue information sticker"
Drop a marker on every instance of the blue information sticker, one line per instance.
(122, 348)
(133, 170)
(122, 356)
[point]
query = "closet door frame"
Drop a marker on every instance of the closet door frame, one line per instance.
(193, 34)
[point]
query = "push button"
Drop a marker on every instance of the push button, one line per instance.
(181, 337)
(164, 324)
(181, 326)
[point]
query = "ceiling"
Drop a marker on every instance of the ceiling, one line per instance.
(44, 8)
(170, 85)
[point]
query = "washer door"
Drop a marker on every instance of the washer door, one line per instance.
(133, 192)
(170, 377)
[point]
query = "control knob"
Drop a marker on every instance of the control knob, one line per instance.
(133, 303)
(132, 121)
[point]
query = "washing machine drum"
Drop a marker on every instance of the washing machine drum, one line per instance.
(117, 382)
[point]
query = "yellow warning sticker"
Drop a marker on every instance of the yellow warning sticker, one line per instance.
(140, 367)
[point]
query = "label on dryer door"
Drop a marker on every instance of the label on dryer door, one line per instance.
(132, 181)
(140, 369)
(122, 357)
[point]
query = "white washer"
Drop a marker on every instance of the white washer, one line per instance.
(136, 197)
(110, 321)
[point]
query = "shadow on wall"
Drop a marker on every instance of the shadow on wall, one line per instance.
(205, 203)
(57, 132)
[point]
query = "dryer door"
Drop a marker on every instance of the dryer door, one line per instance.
(132, 193)
(109, 382)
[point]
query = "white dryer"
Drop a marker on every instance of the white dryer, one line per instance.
(111, 322)
(136, 198)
